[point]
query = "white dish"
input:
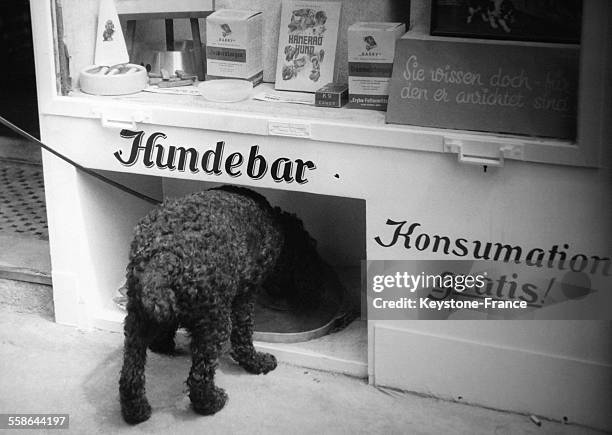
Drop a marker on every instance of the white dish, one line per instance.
(92, 81)
(226, 90)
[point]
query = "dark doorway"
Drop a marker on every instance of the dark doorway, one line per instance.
(17, 77)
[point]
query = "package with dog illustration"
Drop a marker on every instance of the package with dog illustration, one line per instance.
(307, 45)
(234, 45)
(371, 49)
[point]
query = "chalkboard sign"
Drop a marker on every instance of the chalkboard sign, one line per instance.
(528, 89)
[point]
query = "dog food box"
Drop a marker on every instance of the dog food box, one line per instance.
(234, 44)
(371, 47)
(332, 95)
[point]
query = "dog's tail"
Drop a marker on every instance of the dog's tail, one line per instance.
(157, 296)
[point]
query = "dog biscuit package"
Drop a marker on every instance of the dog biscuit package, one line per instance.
(234, 45)
(371, 47)
(307, 42)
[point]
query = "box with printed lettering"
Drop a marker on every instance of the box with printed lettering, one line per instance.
(371, 48)
(234, 45)
(332, 95)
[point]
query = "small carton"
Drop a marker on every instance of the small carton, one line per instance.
(371, 48)
(234, 40)
(332, 95)
(307, 40)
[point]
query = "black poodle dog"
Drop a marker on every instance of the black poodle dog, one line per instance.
(197, 263)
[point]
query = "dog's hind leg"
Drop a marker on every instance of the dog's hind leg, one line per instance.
(207, 339)
(242, 337)
(134, 405)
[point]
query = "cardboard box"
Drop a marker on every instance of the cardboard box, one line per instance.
(332, 95)
(371, 48)
(234, 45)
(307, 44)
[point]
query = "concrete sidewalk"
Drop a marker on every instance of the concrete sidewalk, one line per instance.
(49, 368)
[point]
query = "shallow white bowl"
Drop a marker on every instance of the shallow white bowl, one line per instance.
(120, 84)
(226, 90)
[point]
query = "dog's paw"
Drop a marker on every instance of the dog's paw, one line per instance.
(207, 402)
(259, 363)
(136, 410)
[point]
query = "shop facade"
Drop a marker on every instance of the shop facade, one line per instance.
(354, 180)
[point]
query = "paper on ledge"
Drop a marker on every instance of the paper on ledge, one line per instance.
(178, 90)
(268, 95)
(286, 97)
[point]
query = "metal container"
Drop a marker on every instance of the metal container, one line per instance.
(172, 61)
(154, 60)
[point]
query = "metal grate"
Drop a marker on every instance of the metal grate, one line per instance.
(22, 200)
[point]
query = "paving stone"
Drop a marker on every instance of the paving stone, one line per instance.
(23, 200)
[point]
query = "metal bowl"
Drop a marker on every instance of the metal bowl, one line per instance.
(172, 61)
(154, 60)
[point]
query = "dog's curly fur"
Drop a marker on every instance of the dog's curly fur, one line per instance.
(197, 262)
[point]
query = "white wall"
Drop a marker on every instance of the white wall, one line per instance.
(551, 368)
